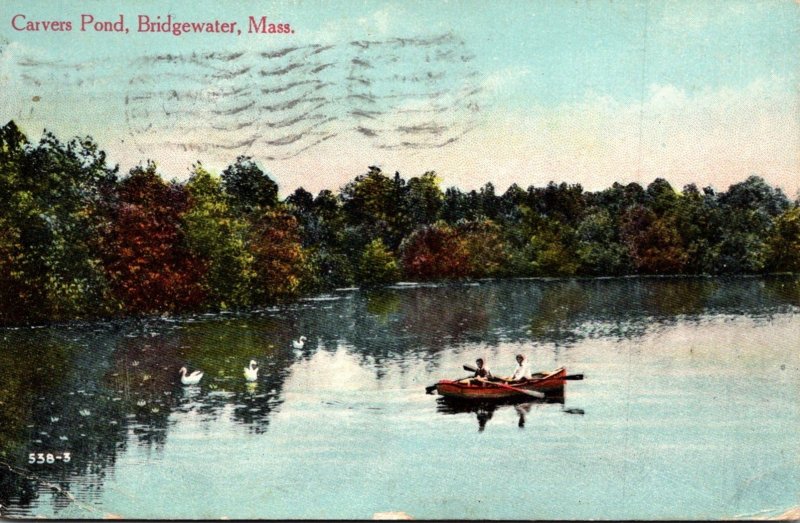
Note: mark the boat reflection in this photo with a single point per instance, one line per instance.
(484, 410)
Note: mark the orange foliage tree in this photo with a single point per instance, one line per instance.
(435, 251)
(146, 259)
(653, 242)
(279, 259)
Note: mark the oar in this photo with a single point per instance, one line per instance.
(532, 393)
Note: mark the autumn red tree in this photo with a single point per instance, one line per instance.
(146, 259)
(653, 242)
(279, 259)
(435, 251)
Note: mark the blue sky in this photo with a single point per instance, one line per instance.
(589, 92)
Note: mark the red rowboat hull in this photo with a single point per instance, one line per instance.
(552, 382)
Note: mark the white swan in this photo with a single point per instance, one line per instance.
(251, 372)
(298, 344)
(192, 379)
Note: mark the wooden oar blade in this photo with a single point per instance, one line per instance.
(534, 393)
(574, 377)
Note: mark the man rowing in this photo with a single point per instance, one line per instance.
(482, 372)
(521, 373)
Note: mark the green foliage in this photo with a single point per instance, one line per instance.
(376, 204)
(326, 270)
(217, 237)
(749, 209)
(549, 244)
(599, 250)
(550, 255)
(49, 197)
(697, 219)
(325, 239)
(250, 189)
(377, 265)
(424, 199)
(486, 248)
(783, 244)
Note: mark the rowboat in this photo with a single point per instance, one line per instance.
(470, 389)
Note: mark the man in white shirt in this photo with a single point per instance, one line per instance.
(521, 373)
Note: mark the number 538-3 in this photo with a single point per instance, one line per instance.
(41, 458)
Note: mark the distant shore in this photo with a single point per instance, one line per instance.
(81, 241)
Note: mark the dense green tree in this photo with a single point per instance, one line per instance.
(486, 248)
(748, 209)
(755, 194)
(488, 202)
(76, 241)
(551, 251)
(562, 202)
(251, 190)
(424, 199)
(599, 249)
(327, 269)
(377, 265)
(661, 197)
(548, 245)
(215, 236)
(19, 291)
(783, 244)
(301, 204)
(49, 195)
(333, 266)
(509, 205)
(458, 206)
(698, 221)
(324, 234)
(376, 204)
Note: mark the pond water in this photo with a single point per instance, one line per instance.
(690, 406)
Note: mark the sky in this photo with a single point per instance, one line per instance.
(503, 92)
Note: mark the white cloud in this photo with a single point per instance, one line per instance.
(498, 81)
(379, 22)
(376, 24)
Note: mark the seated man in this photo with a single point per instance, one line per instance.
(482, 372)
(521, 373)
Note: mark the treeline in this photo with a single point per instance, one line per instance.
(78, 240)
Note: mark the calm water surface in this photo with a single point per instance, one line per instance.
(690, 406)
